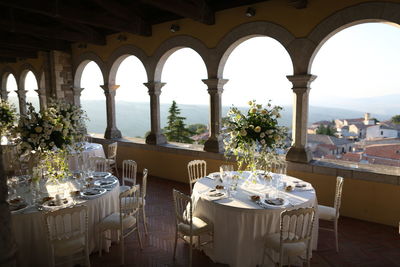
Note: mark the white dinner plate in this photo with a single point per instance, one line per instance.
(52, 204)
(98, 175)
(106, 182)
(93, 192)
(17, 205)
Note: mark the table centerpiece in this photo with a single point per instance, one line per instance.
(8, 120)
(254, 137)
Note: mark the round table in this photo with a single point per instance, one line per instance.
(89, 150)
(31, 235)
(240, 224)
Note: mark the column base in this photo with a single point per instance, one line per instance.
(299, 154)
(112, 133)
(156, 139)
(214, 145)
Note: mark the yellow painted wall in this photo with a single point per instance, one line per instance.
(364, 200)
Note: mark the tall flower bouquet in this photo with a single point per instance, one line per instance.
(254, 137)
(49, 134)
(8, 118)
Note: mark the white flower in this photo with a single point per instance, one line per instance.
(257, 129)
(262, 135)
(38, 129)
(262, 141)
(243, 132)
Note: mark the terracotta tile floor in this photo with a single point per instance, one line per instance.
(361, 243)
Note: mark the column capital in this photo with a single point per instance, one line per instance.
(154, 87)
(21, 92)
(40, 91)
(301, 81)
(77, 90)
(109, 88)
(215, 82)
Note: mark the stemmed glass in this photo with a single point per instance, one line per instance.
(226, 172)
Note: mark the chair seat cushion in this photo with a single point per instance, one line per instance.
(113, 221)
(199, 227)
(273, 241)
(68, 247)
(123, 188)
(326, 213)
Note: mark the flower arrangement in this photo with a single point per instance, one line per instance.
(60, 126)
(254, 137)
(8, 118)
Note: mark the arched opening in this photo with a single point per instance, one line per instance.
(356, 92)
(31, 85)
(183, 72)
(132, 98)
(11, 86)
(93, 98)
(256, 70)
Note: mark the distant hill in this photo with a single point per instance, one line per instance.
(133, 118)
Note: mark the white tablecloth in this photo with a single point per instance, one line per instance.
(90, 150)
(240, 225)
(30, 230)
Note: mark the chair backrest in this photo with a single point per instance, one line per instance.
(67, 223)
(129, 201)
(144, 183)
(129, 169)
(98, 164)
(183, 207)
(112, 151)
(338, 194)
(296, 225)
(279, 167)
(196, 170)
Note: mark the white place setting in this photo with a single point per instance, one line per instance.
(243, 213)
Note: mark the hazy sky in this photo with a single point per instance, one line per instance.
(360, 61)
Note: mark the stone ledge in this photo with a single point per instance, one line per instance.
(331, 169)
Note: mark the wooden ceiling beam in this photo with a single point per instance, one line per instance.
(21, 41)
(78, 15)
(198, 10)
(11, 53)
(8, 60)
(16, 26)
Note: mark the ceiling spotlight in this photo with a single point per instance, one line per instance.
(174, 28)
(250, 12)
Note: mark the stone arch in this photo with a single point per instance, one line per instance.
(350, 16)
(119, 55)
(24, 69)
(4, 75)
(80, 63)
(244, 32)
(169, 47)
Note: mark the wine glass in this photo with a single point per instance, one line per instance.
(226, 171)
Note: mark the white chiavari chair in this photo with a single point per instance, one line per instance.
(332, 213)
(67, 232)
(125, 221)
(294, 238)
(197, 169)
(98, 164)
(112, 157)
(129, 169)
(187, 224)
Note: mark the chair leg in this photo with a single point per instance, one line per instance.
(144, 220)
(116, 169)
(122, 251)
(138, 235)
(176, 241)
(87, 259)
(281, 258)
(191, 251)
(336, 235)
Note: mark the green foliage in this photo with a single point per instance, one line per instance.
(198, 128)
(396, 119)
(328, 130)
(8, 117)
(176, 130)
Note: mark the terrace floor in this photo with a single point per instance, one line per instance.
(361, 243)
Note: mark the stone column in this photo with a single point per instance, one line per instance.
(111, 131)
(77, 95)
(155, 137)
(4, 94)
(42, 98)
(301, 88)
(22, 101)
(215, 89)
